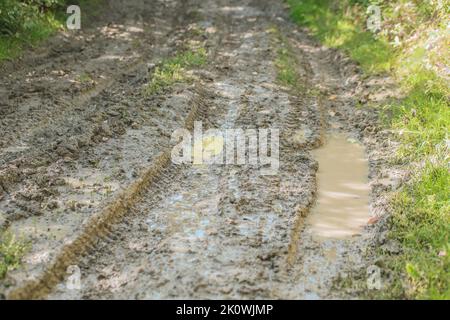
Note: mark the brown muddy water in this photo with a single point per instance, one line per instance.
(342, 207)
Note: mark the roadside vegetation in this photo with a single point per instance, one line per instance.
(27, 22)
(413, 47)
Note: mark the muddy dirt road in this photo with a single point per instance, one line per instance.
(86, 172)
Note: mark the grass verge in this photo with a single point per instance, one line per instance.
(420, 210)
(343, 30)
(26, 24)
(37, 30)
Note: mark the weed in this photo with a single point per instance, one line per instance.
(11, 252)
(285, 62)
(173, 70)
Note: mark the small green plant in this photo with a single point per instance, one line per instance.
(287, 74)
(190, 58)
(11, 252)
(84, 78)
(285, 61)
(165, 76)
(173, 70)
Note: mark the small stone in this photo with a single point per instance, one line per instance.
(392, 247)
(277, 207)
(396, 183)
(52, 205)
(382, 237)
(373, 278)
(113, 113)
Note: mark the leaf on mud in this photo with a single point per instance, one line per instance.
(373, 220)
(332, 97)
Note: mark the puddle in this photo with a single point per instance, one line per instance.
(342, 207)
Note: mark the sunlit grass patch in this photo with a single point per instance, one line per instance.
(285, 62)
(173, 70)
(338, 29)
(422, 119)
(84, 78)
(287, 74)
(421, 210)
(11, 252)
(190, 58)
(421, 222)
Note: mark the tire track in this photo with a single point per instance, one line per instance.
(220, 231)
(84, 238)
(99, 226)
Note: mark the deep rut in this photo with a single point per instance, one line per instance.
(222, 231)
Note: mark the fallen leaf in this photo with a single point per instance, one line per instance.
(373, 220)
(332, 97)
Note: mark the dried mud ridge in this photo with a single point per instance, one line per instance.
(86, 174)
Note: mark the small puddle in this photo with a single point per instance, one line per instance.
(342, 207)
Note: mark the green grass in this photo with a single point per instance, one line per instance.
(420, 210)
(338, 30)
(37, 30)
(173, 70)
(285, 61)
(287, 75)
(11, 252)
(26, 25)
(84, 78)
(422, 119)
(421, 221)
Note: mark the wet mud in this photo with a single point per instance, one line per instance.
(86, 176)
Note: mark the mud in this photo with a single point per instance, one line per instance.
(86, 176)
